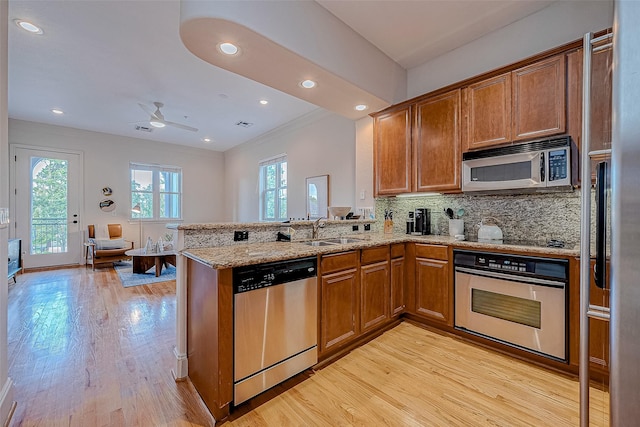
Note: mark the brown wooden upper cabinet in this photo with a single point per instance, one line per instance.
(436, 142)
(523, 104)
(488, 112)
(539, 99)
(417, 146)
(601, 98)
(392, 152)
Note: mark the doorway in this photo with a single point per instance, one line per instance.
(47, 205)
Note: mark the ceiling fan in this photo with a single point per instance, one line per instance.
(156, 118)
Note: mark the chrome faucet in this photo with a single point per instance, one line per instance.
(316, 226)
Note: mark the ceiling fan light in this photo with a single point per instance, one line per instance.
(156, 124)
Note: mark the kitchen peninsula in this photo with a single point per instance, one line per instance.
(365, 287)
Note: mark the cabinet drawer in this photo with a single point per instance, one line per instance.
(338, 262)
(377, 254)
(397, 250)
(432, 251)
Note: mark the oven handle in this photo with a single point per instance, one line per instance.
(511, 277)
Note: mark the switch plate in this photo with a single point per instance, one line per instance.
(239, 236)
(362, 194)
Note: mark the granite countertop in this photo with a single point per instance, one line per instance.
(256, 253)
(264, 225)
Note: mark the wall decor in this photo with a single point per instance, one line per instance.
(107, 191)
(107, 205)
(317, 196)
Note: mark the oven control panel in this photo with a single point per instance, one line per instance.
(505, 263)
(530, 266)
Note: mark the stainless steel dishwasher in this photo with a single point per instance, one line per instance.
(275, 332)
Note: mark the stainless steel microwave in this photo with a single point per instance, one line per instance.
(533, 166)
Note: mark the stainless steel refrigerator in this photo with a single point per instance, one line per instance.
(622, 213)
(625, 217)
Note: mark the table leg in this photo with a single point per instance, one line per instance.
(159, 263)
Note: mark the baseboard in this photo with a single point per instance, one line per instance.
(181, 371)
(7, 404)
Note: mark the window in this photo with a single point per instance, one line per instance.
(273, 189)
(158, 191)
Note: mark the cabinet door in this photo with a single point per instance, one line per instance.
(340, 302)
(397, 286)
(539, 92)
(432, 289)
(488, 112)
(374, 291)
(437, 143)
(601, 102)
(599, 328)
(392, 152)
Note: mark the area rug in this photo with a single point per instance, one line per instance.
(128, 278)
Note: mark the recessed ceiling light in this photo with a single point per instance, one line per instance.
(360, 107)
(206, 139)
(156, 124)
(57, 111)
(308, 84)
(28, 26)
(228, 48)
(264, 102)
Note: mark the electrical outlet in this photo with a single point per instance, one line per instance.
(367, 227)
(239, 236)
(355, 228)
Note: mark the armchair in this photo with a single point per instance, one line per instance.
(104, 251)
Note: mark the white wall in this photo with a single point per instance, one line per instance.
(106, 164)
(319, 143)
(6, 385)
(560, 23)
(364, 160)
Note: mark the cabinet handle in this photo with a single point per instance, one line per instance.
(600, 268)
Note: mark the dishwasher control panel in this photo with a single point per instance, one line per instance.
(252, 277)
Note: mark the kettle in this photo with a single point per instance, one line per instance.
(488, 230)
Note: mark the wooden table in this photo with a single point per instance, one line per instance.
(143, 261)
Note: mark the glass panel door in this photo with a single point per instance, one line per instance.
(47, 208)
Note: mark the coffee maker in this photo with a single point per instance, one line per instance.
(422, 219)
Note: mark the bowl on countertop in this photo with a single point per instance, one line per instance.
(340, 211)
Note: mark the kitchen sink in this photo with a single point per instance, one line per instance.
(318, 243)
(343, 240)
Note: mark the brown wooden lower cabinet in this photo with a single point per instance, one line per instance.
(397, 286)
(431, 283)
(340, 308)
(599, 328)
(432, 289)
(599, 345)
(374, 291)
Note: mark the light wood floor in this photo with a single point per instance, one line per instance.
(83, 351)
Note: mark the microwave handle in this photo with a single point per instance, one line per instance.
(542, 167)
(600, 268)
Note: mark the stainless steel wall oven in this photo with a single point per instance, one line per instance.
(518, 300)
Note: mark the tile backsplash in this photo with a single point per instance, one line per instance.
(532, 217)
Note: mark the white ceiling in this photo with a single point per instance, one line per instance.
(98, 59)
